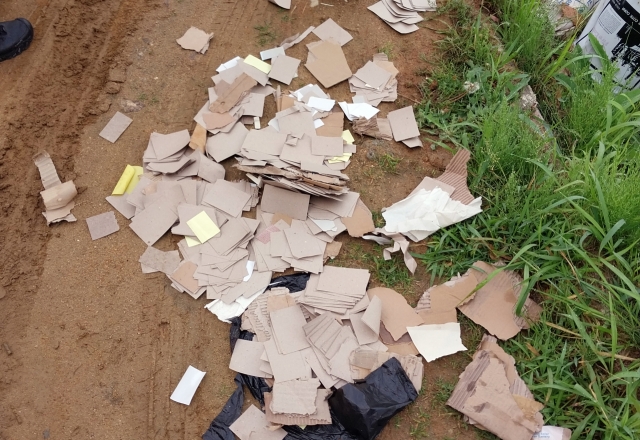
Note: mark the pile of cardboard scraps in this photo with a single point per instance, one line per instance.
(402, 15)
(310, 341)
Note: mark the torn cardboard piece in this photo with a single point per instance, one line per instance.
(115, 127)
(102, 225)
(195, 39)
(57, 196)
(396, 314)
(253, 424)
(330, 66)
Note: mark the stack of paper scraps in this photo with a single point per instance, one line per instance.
(57, 196)
(402, 15)
(304, 350)
(195, 39)
(432, 205)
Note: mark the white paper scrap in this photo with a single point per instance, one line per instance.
(187, 386)
(434, 341)
(225, 312)
(424, 212)
(271, 53)
(324, 105)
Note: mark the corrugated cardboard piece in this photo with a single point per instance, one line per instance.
(493, 305)
(253, 424)
(57, 196)
(486, 394)
(397, 315)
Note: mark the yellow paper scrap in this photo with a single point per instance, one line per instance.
(191, 242)
(344, 158)
(203, 227)
(258, 64)
(347, 136)
(124, 181)
(138, 171)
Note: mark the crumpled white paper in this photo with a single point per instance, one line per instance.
(225, 311)
(424, 212)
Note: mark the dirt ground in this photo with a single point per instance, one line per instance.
(96, 346)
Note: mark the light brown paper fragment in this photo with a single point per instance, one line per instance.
(397, 315)
(115, 127)
(102, 225)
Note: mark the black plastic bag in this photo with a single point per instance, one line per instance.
(295, 283)
(365, 408)
(335, 431)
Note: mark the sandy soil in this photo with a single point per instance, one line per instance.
(96, 346)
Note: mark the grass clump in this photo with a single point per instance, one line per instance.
(389, 163)
(563, 210)
(266, 33)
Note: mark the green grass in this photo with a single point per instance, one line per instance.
(391, 273)
(389, 163)
(266, 34)
(387, 49)
(564, 211)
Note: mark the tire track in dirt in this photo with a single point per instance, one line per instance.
(48, 95)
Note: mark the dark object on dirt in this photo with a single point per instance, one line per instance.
(365, 408)
(335, 431)
(7, 348)
(15, 37)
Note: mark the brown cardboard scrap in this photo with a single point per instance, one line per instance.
(343, 280)
(122, 206)
(115, 127)
(287, 326)
(279, 200)
(373, 75)
(160, 261)
(493, 305)
(102, 225)
(195, 39)
(48, 173)
(373, 315)
(59, 196)
(403, 124)
(333, 125)
(302, 244)
(264, 141)
(397, 315)
(322, 416)
(232, 94)
(413, 142)
(455, 175)
(286, 366)
(167, 145)
(153, 222)
(326, 146)
(332, 250)
(224, 145)
(483, 394)
(364, 333)
(254, 105)
(217, 120)
(438, 304)
(295, 397)
(284, 68)
(330, 30)
(253, 424)
(361, 222)
(367, 361)
(343, 206)
(224, 196)
(198, 138)
(245, 358)
(184, 275)
(330, 66)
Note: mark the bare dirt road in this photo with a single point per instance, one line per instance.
(96, 346)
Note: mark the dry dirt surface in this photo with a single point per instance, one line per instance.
(93, 347)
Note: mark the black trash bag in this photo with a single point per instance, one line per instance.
(365, 408)
(295, 283)
(219, 428)
(334, 431)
